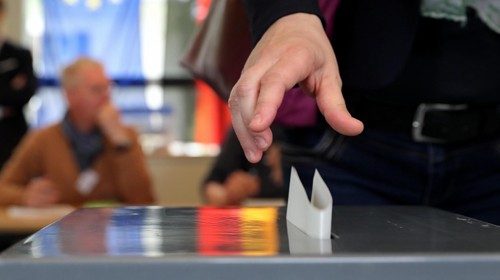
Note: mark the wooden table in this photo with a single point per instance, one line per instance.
(22, 220)
(17, 223)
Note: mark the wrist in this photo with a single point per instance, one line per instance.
(122, 146)
(117, 135)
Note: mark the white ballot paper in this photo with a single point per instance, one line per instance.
(312, 217)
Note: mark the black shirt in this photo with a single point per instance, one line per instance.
(451, 63)
(387, 51)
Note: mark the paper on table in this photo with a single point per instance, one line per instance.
(312, 217)
(55, 211)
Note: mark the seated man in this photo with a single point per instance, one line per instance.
(89, 155)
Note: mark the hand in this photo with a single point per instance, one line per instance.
(238, 186)
(19, 82)
(40, 192)
(215, 194)
(294, 50)
(241, 185)
(109, 120)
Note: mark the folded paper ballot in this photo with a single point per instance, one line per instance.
(300, 243)
(312, 217)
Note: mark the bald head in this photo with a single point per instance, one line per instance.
(72, 75)
(87, 89)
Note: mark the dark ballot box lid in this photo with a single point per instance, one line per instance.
(393, 242)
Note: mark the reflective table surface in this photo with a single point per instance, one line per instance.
(256, 243)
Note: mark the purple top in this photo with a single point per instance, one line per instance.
(299, 109)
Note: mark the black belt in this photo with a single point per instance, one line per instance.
(430, 122)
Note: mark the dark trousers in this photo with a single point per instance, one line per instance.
(381, 168)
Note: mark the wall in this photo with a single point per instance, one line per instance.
(12, 26)
(177, 179)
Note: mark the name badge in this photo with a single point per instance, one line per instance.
(87, 181)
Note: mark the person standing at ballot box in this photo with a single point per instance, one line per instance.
(89, 155)
(420, 79)
(17, 85)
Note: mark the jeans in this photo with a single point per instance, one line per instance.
(382, 168)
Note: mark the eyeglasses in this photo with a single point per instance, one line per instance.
(100, 89)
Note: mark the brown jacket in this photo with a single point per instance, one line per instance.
(47, 153)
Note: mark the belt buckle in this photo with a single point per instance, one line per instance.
(419, 120)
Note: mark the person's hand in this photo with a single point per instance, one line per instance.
(241, 185)
(238, 186)
(294, 50)
(19, 82)
(109, 120)
(40, 192)
(215, 194)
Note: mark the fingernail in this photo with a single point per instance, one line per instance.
(261, 143)
(249, 155)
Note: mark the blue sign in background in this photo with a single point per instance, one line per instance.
(109, 33)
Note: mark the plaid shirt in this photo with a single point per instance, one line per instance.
(455, 10)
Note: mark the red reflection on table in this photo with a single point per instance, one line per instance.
(237, 231)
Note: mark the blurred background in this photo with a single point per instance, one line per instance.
(180, 120)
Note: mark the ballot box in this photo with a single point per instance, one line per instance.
(394, 242)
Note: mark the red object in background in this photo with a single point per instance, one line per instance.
(202, 7)
(212, 117)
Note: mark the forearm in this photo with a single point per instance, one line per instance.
(11, 194)
(23, 165)
(263, 13)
